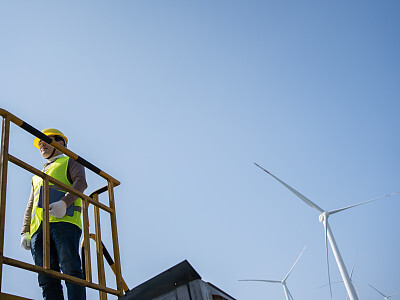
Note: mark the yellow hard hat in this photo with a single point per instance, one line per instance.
(50, 131)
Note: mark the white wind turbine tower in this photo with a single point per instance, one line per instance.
(283, 281)
(385, 296)
(323, 218)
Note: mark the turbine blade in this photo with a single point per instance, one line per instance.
(354, 264)
(377, 290)
(351, 276)
(302, 197)
(393, 294)
(361, 203)
(336, 282)
(294, 264)
(272, 281)
(290, 294)
(327, 257)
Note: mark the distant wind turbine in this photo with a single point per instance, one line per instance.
(283, 281)
(385, 296)
(323, 218)
(351, 278)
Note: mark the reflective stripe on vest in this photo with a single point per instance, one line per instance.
(58, 170)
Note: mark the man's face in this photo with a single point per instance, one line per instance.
(45, 149)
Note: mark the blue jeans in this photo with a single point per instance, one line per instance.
(64, 254)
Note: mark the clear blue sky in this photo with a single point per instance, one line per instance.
(177, 99)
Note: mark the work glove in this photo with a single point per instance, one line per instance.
(58, 209)
(26, 241)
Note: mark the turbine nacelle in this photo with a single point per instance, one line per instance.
(324, 216)
(386, 297)
(283, 281)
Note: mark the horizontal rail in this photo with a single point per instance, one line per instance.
(99, 191)
(77, 193)
(5, 296)
(58, 146)
(37, 269)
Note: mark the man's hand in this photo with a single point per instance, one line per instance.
(26, 241)
(58, 209)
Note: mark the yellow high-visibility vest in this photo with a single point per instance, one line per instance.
(57, 170)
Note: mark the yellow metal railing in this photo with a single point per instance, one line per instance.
(5, 157)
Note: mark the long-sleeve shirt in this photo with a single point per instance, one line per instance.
(75, 174)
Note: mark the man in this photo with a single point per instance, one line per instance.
(65, 219)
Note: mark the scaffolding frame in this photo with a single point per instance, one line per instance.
(5, 157)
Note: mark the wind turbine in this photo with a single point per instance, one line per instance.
(385, 296)
(323, 218)
(283, 281)
(351, 278)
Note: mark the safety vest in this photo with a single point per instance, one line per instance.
(57, 170)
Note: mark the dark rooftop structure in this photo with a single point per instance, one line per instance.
(181, 282)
